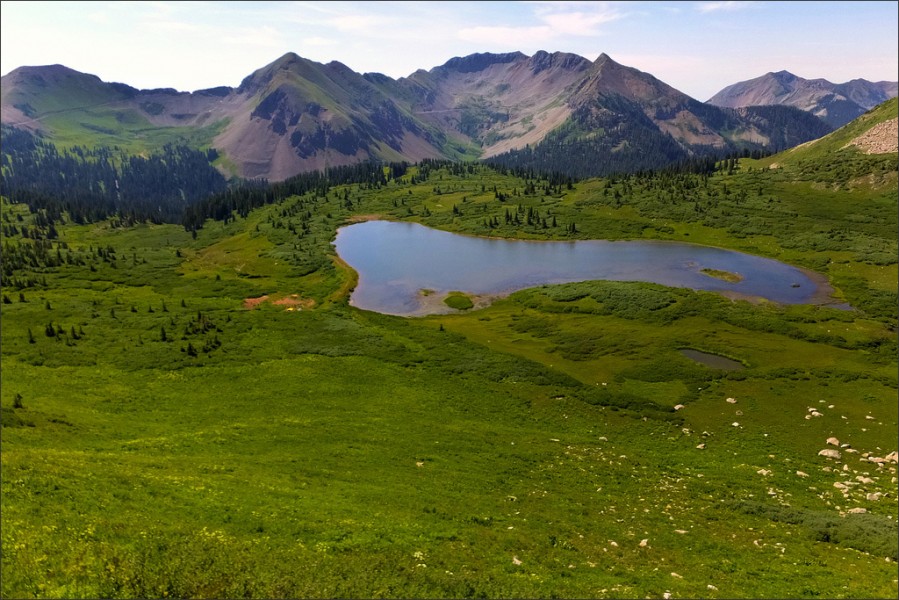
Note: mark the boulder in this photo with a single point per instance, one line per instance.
(830, 453)
(833, 441)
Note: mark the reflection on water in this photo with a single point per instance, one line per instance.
(395, 261)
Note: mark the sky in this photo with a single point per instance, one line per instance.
(696, 47)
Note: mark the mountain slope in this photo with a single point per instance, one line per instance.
(867, 146)
(838, 104)
(297, 115)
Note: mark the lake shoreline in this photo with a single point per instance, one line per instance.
(783, 289)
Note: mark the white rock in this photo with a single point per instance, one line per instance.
(857, 511)
(833, 441)
(863, 479)
(711, 587)
(644, 542)
(840, 486)
(515, 560)
(817, 414)
(735, 424)
(675, 575)
(892, 456)
(874, 496)
(802, 474)
(731, 401)
(830, 453)
(678, 406)
(701, 447)
(763, 472)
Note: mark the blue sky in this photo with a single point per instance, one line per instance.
(696, 47)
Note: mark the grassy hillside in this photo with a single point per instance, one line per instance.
(206, 416)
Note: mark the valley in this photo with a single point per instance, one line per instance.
(197, 410)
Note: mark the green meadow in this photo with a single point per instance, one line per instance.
(207, 416)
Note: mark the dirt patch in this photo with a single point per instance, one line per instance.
(251, 303)
(294, 302)
(291, 302)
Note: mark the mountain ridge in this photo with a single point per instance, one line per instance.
(295, 114)
(835, 103)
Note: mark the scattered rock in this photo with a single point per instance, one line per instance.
(816, 414)
(678, 406)
(680, 531)
(892, 456)
(830, 453)
(833, 441)
(840, 486)
(863, 479)
(874, 496)
(675, 575)
(711, 587)
(857, 511)
(764, 472)
(802, 473)
(731, 401)
(644, 543)
(701, 447)
(515, 561)
(735, 424)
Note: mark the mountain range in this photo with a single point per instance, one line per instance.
(545, 110)
(837, 104)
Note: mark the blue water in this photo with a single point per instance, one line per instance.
(396, 261)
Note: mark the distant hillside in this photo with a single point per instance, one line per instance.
(296, 115)
(874, 134)
(837, 104)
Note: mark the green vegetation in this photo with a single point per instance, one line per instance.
(201, 413)
(458, 300)
(724, 275)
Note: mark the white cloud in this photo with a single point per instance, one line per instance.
(556, 21)
(730, 5)
(319, 41)
(506, 36)
(265, 36)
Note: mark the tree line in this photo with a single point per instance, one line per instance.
(93, 184)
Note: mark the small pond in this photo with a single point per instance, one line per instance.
(397, 261)
(712, 360)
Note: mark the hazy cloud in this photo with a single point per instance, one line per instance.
(706, 7)
(555, 21)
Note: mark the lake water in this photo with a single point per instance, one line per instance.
(397, 261)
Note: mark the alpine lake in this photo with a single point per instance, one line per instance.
(409, 270)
